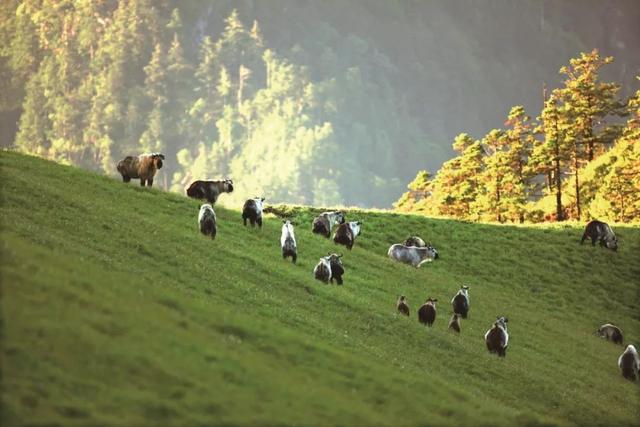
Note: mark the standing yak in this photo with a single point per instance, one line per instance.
(402, 306)
(427, 313)
(497, 338)
(252, 211)
(209, 190)
(288, 241)
(324, 222)
(143, 166)
(599, 231)
(346, 234)
(460, 302)
(207, 221)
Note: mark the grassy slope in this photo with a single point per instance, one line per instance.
(116, 311)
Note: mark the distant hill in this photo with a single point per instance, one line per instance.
(115, 310)
(366, 93)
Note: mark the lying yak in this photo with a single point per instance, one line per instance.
(411, 254)
(288, 242)
(599, 231)
(629, 363)
(143, 166)
(209, 190)
(610, 332)
(497, 338)
(207, 221)
(346, 234)
(252, 211)
(460, 302)
(427, 313)
(323, 223)
(329, 268)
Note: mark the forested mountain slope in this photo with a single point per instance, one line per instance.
(317, 99)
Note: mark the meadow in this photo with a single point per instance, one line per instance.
(116, 311)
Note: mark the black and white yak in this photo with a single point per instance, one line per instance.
(599, 231)
(143, 166)
(427, 313)
(497, 338)
(402, 306)
(252, 211)
(209, 190)
(611, 333)
(329, 268)
(207, 221)
(323, 223)
(460, 302)
(629, 363)
(412, 254)
(346, 234)
(288, 242)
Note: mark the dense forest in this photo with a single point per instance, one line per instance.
(303, 102)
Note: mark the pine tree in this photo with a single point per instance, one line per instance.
(550, 156)
(490, 202)
(587, 102)
(457, 184)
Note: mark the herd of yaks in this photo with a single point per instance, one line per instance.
(413, 251)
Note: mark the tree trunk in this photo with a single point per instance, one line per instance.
(559, 215)
(575, 166)
(498, 202)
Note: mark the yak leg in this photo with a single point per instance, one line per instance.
(149, 182)
(423, 261)
(584, 237)
(294, 257)
(126, 178)
(259, 221)
(142, 182)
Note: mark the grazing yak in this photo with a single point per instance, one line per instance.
(610, 332)
(329, 268)
(460, 302)
(629, 363)
(599, 231)
(143, 166)
(288, 241)
(207, 221)
(411, 254)
(346, 234)
(427, 313)
(415, 241)
(454, 323)
(209, 190)
(323, 223)
(252, 211)
(403, 307)
(497, 338)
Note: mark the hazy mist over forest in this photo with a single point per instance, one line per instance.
(313, 102)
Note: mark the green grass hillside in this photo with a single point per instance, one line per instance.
(116, 311)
